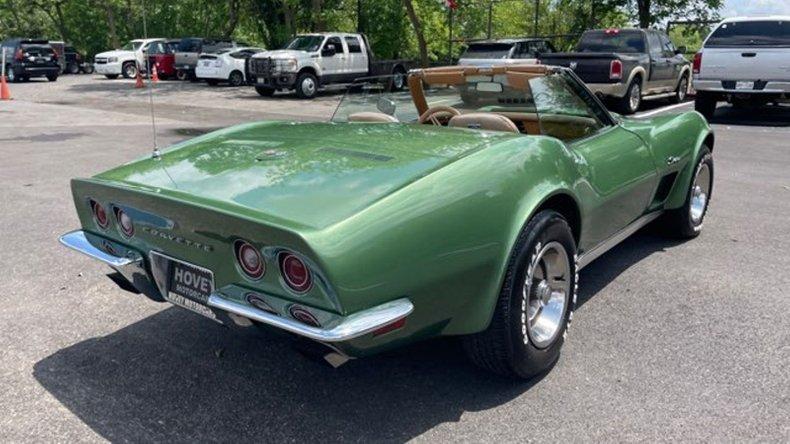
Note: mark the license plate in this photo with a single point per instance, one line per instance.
(187, 285)
(744, 85)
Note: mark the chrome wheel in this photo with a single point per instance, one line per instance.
(545, 295)
(398, 81)
(683, 89)
(635, 97)
(11, 77)
(700, 190)
(308, 86)
(130, 70)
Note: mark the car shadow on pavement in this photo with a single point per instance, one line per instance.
(774, 116)
(175, 376)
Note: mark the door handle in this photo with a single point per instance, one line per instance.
(749, 54)
(671, 160)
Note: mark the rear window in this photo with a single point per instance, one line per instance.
(487, 51)
(189, 45)
(757, 33)
(612, 41)
(36, 49)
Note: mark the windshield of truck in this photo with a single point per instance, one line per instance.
(487, 51)
(612, 41)
(132, 46)
(757, 33)
(309, 43)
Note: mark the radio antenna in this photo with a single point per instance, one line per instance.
(155, 154)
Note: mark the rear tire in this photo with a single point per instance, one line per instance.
(632, 100)
(682, 91)
(686, 222)
(705, 104)
(541, 272)
(264, 91)
(306, 86)
(129, 70)
(73, 68)
(398, 80)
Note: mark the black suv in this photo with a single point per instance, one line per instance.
(26, 58)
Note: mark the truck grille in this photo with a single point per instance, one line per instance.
(100, 60)
(261, 67)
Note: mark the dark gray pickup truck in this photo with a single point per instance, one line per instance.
(628, 66)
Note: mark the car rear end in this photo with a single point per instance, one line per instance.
(745, 59)
(221, 261)
(210, 66)
(35, 58)
(489, 54)
(186, 56)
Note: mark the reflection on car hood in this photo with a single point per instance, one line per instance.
(282, 54)
(313, 174)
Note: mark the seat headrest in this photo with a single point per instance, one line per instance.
(367, 116)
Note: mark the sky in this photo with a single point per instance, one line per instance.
(755, 7)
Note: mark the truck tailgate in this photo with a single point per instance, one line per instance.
(591, 67)
(745, 63)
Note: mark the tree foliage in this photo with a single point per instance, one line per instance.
(396, 28)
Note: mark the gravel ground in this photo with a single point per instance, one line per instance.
(672, 341)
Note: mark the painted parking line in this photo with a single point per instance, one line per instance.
(663, 110)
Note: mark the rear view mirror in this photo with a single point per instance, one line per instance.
(386, 106)
(492, 87)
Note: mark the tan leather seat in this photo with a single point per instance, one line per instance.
(368, 116)
(484, 121)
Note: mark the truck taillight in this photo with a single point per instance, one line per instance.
(697, 65)
(616, 70)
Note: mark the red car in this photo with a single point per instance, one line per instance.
(162, 56)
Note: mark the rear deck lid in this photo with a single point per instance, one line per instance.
(312, 174)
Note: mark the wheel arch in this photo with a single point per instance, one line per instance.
(677, 197)
(638, 72)
(310, 69)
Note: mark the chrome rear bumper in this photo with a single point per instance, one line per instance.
(334, 328)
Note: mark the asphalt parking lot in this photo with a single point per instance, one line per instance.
(671, 341)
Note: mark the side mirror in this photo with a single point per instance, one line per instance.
(386, 106)
(680, 50)
(328, 51)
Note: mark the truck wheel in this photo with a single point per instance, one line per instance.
(73, 68)
(236, 78)
(129, 70)
(87, 68)
(683, 88)
(52, 77)
(632, 100)
(181, 75)
(533, 312)
(264, 91)
(306, 85)
(686, 221)
(10, 75)
(111, 76)
(705, 104)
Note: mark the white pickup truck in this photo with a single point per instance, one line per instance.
(310, 61)
(125, 61)
(744, 61)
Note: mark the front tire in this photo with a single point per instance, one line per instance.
(705, 104)
(686, 221)
(236, 78)
(306, 85)
(73, 68)
(533, 312)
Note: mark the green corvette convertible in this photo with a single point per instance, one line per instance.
(464, 206)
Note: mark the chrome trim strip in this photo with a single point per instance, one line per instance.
(76, 240)
(586, 258)
(352, 326)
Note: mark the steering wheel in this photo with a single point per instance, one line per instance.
(439, 115)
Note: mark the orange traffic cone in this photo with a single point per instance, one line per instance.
(154, 74)
(5, 94)
(139, 82)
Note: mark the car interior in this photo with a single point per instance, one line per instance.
(519, 99)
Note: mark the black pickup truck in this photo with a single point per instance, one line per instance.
(628, 66)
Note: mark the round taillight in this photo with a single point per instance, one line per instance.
(303, 316)
(124, 222)
(249, 260)
(99, 214)
(295, 272)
